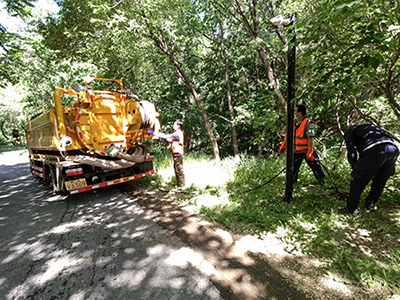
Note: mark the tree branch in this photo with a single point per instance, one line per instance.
(370, 119)
(223, 118)
(2, 130)
(239, 10)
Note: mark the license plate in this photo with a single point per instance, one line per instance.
(75, 184)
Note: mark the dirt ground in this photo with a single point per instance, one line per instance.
(247, 266)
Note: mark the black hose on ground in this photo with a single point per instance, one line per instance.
(341, 196)
(264, 184)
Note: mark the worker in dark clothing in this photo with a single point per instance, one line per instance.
(377, 154)
(176, 140)
(304, 145)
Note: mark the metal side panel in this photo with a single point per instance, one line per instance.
(41, 131)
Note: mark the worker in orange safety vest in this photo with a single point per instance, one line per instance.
(304, 145)
(176, 140)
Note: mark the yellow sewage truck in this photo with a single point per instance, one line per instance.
(94, 142)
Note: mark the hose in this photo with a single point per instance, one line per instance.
(147, 111)
(338, 194)
(264, 184)
(149, 114)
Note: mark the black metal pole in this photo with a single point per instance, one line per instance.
(290, 114)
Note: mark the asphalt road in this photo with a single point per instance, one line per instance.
(94, 245)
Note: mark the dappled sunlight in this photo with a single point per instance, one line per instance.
(185, 256)
(201, 174)
(127, 278)
(271, 246)
(109, 243)
(268, 244)
(285, 247)
(157, 271)
(92, 245)
(65, 228)
(51, 270)
(306, 241)
(220, 254)
(2, 281)
(395, 216)
(338, 223)
(364, 233)
(79, 295)
(17, 250)
(56, 266)
(17, 180)
(55, 198)
(208, 200)
(12, 158)
(335, 283)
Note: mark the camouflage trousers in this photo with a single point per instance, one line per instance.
(179, 173)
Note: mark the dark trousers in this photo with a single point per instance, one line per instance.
(179, 173)
(376, 164)
(315, 166)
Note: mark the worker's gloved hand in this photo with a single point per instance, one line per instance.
(282, 148)
(151, 131)
(310, 154)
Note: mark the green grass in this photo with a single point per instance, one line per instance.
(363, 251)
(5, 148)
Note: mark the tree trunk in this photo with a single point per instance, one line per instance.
(272, 85)
(262, 141)
(162, 44)
(253, 28)
(199, 103)
(229, 93)
(391, 79)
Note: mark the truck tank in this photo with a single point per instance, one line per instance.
(94, 142)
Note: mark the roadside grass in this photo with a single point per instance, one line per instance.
(363, 252)
(5, 148)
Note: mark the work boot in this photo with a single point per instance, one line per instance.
(349, 211)
(370, 205)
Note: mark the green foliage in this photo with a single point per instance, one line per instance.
(162, 160)
(6, 146)
(19, 8)
(350, 54)
(10, 56)
(12, 116)
(345, 50)
(347, 70)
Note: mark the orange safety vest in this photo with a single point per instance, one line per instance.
(300, 136)
(177, 146)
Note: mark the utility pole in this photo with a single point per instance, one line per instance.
(291, 56)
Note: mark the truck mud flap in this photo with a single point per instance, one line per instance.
(112, 182)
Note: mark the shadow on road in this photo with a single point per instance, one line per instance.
(238, 273)
(95, 245)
